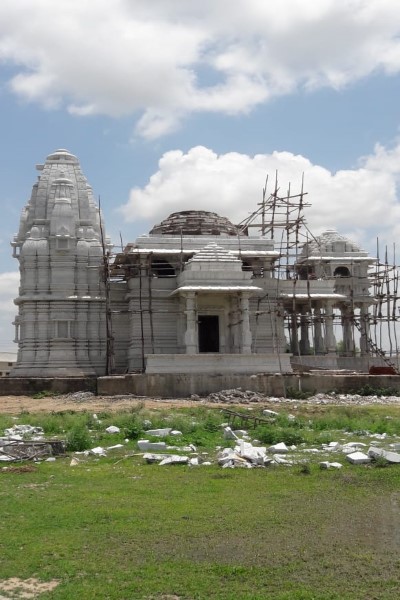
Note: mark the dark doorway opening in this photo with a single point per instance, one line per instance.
(208, 333)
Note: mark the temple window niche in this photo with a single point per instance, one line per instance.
(64, 329)
(162, 268)
(341, 272)
(62, 243)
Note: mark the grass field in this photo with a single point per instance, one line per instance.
(116, 528)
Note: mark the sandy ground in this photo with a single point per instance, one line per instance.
(17, 404)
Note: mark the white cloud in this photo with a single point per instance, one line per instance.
(8, 291)
(155, 60)
(362, 202)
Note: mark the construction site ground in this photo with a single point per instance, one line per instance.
(86, 402)
(18, 404)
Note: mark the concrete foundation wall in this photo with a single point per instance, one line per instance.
(184, 385)
(27, 386)
(333, 361)
(181, 385)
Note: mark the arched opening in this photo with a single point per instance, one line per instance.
(162, 268)
(341, 272)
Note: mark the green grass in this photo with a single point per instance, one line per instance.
(118, 529)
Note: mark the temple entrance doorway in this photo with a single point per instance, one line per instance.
(208, 333)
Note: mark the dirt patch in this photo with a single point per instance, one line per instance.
(17, 404)
(21, 469)
(18, 589)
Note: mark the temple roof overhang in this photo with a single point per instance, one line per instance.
(219, 289)
(315, 296)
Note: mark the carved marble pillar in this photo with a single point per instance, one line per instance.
(190, 334)
(294, 341)
(348, 344)
(330, 339)
(319, 344)
(364, 325)
(304, 340)
(246, 332)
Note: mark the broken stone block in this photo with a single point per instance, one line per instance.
(159, 432)
(279, 460)
(226, 455)
(270, 413)
(98, 451)
(280, 448)
(356, 444)
(358, 458)
(145, 445)
(391, 457)
(240, 432)
(330, 465)
(174, 459)
(112, 429)
(229, 434)
(332, 446)
(351, 447)
(254, 454)
(74, 462)
(152, 458)
(176, 432)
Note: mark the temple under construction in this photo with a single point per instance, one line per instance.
(197, 294)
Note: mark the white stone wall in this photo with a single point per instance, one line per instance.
(61, 302)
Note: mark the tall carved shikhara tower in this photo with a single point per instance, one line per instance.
(60, 327)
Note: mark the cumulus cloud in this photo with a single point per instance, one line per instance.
(164, 59)
(361, 202)
(8, 291)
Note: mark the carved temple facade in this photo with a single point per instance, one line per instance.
(195, 295)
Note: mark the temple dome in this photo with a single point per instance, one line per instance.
(195, 222)
(330, 242)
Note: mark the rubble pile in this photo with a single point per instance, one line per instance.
(25, 442)
(239, 396)
(235, 396)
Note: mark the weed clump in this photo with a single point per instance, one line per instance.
(274, 435)
(298, 394)
(133, 429)
(369, 390)
(78, 439)
(380, 462)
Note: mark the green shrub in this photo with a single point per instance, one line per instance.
(133, 429)
(380, 462)
(78, 439)
(298, 394)
(274, 435)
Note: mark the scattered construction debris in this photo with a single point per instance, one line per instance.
(25, 442)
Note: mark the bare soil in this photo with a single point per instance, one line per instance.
(17, 404)
(25, 588)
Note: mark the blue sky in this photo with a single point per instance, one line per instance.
(172, 105)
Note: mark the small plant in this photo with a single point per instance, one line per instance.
(380, 462)
(298, 394)
(274, 435)
(369, 390)
(305, 469)
(133, 429)
(78, 439)
(43, 394)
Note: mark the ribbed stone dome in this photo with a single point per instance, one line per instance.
(195, 222)
(330, 242)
